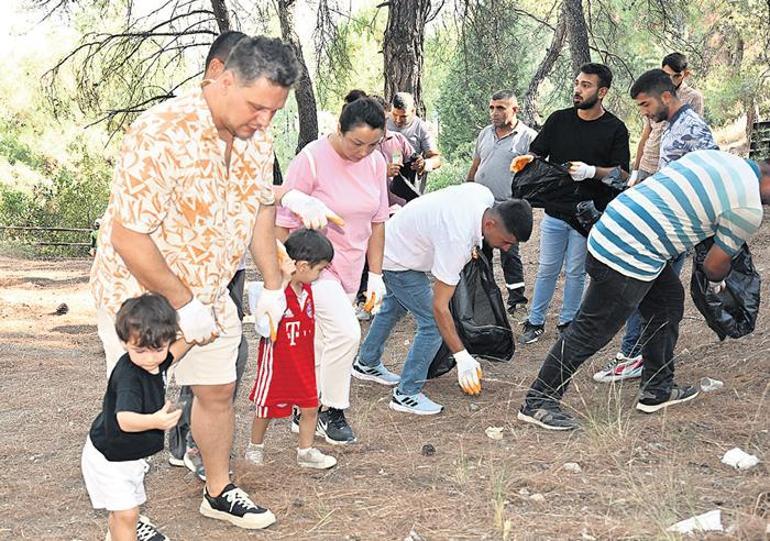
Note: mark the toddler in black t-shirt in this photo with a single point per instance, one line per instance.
(134, 415)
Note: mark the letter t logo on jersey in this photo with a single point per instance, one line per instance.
(292, 331)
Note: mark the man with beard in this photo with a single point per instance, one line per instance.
(684, 131)
(496, 145)
(593, 141)
(648, 152)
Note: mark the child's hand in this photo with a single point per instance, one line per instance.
(165, 418)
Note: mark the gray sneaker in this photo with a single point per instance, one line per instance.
(550, 418)
(378, 374)
(194, 462)
(650, 402)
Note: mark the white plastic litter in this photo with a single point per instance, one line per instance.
(572, 467)
(739, 459)
(494, 432)
(708, 385)
(707, 522)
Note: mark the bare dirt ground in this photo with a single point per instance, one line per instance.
(639, 473)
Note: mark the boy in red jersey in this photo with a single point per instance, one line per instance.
(286, 367)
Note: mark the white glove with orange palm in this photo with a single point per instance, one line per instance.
(375, 292)
(468, 372)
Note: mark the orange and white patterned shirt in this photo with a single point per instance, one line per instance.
(171, 182)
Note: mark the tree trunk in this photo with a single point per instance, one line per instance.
(221, 14)
(577, 33)
(528, 110)
(303, 92)
(402, 48)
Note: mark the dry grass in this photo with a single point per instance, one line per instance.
(639, 473)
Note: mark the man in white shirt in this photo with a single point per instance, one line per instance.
(435, 233)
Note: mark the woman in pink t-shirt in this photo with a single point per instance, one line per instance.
(343, 171)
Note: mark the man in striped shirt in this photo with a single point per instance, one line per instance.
(705, 194)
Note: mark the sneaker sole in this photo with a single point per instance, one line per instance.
(527, 419)
(265, 519)
(657, 407)
(295, 429)
(174, 461)
(529, 341)
(314, 466)
(613, 379)
(376, 379)
(405, 409)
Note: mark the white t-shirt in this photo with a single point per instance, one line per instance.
(436, 233)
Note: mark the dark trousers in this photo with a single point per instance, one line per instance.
(178, 437)
(612, 297)
(513, 271)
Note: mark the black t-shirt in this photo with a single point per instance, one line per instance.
(130, 388)
(602, 142)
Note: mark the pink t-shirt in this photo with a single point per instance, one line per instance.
(356, 191)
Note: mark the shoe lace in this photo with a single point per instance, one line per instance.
(145, 531)
(237, 496)
(337, 418)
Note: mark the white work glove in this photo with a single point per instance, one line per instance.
(633, 178)
(271, 305)
(197, 321)
(375, 292)
(716, 287)
(312, 211)
(468, 372)
(581, 171)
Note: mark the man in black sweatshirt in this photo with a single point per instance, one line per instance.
(592, 141)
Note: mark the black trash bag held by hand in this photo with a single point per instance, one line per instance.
(479, 315)
(733, 312)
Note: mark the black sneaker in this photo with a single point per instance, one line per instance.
(235, 506)
(650, 402)
(334, 428)
(146, 531)
(531, 333)
(563, 327)
(550, 418)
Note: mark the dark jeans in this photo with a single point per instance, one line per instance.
(178, 437)
(612, 297)
(513, 272)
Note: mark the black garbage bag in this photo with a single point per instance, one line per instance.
(615, 180)
(479, 315)
(549, 186)
(406, 184)
(733, 312)
(587, 214)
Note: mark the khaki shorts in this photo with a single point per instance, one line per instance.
(212, 364)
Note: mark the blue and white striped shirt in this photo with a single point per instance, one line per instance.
(707, 193)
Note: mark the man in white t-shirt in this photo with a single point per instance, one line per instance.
(435, 233)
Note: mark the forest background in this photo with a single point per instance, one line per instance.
(78, 72)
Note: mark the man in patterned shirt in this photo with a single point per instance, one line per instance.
(192, 191)
(707, 193)
(648, 152)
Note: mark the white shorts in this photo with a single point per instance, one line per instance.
(212, 364)
(114, 486)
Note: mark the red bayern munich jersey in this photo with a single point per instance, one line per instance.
(286, 368)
